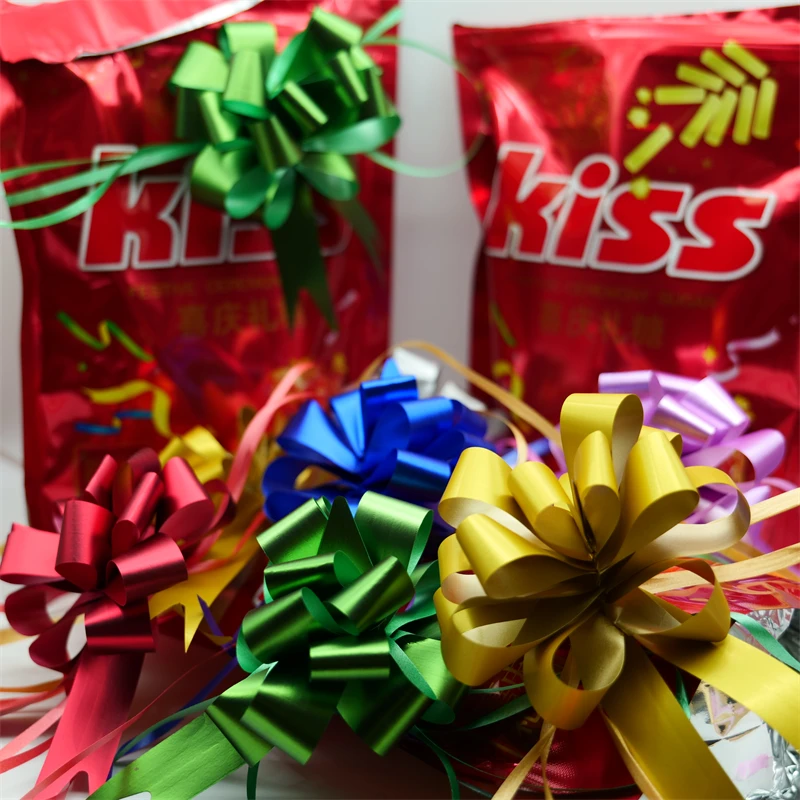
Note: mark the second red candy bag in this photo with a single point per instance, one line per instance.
(640, 205)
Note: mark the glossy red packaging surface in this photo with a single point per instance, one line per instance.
(149, 299)
(640, 209)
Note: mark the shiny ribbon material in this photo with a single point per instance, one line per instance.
(714, 430)
(346, 629)
(266, 130)
(218, 559)
(380, 436)
(123, 540)
(102, 685)
(539, 563)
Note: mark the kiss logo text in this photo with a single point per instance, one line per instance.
(587, 219)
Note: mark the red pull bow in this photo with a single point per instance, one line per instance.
(123, 539)
(119, 543)
(130, 533)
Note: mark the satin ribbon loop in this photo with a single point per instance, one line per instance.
(84, 546)
(111, 628)
(537, 563)
(380, 437)
(350, 658)
(712, 425)
(166, 546)
(376, 595)
(152, 565)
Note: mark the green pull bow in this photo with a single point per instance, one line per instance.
(277, 127)
(339, 633)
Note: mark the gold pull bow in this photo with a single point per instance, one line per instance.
(538, 563)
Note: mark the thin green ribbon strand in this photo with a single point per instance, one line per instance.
(343, 632)
(413, 170)
(766, 640)
(445, 759)
(48, 166)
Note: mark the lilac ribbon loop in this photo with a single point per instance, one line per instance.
(714, 429)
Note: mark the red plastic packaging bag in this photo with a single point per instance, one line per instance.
(151, 313)
(640, 207)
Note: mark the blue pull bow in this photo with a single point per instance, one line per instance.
(379, 437)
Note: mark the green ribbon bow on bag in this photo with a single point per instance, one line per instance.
(278, 126)
(336, 635)
(265, 130)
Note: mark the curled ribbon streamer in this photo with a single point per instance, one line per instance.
(231, 553)
(538, 561)
(106, 329)
(345, 630)
(120, 542)
(43, 787)
(161, 402)
(10, 755)
(379, 436)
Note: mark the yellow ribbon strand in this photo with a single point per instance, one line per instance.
(756, 679)
(742, 550)
(537, 563)
(664, 744)
(519, 440)
(508, 789)
(766, 564)
(775, 505)
(115, 395)
(209, 460)
(9, 635)
(539, 752)
(35, 688)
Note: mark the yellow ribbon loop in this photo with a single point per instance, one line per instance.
(204, 454)
(210, 460)
(538, 563)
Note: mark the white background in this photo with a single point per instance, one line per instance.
(435, 239)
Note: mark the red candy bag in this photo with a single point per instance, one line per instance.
(152, 313)
(640, 207)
